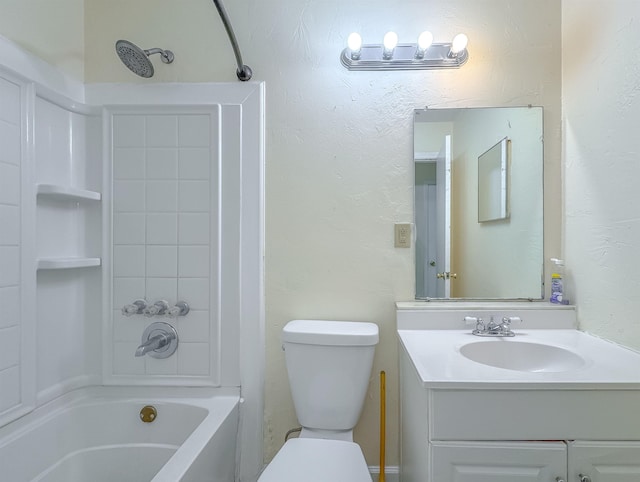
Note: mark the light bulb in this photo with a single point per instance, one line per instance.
(459, 44)
(390, 40)
(354, 42)
(425, 40)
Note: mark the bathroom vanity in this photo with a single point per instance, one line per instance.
(548, 404)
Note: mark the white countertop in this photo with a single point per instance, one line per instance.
(436, 357)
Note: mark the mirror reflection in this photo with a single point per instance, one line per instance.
(457, 254)
(493, 171)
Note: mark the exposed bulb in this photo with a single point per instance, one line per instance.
(354, 41)
(459, 43)
(390, 40)
(425, 40)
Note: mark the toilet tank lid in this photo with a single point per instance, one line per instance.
(331, 333)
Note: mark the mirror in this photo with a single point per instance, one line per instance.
(493, 183)
(478, 196)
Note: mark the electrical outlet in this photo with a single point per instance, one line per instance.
(402, 235)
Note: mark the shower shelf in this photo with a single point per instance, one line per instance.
(67, 263)
(66, 192)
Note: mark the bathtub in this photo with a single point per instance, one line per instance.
(96, 435)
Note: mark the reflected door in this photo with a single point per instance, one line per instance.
(443, 227)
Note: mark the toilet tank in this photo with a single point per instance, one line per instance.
(329, 366)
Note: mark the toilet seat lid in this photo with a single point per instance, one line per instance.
(317, 460)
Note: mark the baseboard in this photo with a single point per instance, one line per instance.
(391, 474)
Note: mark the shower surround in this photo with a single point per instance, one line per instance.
(115, 192)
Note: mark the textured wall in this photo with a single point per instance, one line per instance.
(601, 68)
(51, 29)
(339, 144)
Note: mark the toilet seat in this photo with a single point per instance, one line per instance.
(317, 460)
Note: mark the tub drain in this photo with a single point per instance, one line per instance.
(148, 413)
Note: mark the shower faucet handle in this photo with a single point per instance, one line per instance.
(157, 309)
(181, 308)
(135, 308)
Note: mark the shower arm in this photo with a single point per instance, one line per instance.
(244, 71)
(166, 55)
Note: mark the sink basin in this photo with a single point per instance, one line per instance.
(522, 356)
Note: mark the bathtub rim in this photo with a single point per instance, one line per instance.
(220, 404)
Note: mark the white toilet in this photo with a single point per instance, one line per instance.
(329, 365)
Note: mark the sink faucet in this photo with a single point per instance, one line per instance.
(495, 329)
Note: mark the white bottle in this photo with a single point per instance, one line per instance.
(557, 283)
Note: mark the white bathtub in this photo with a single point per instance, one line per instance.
(96, 435)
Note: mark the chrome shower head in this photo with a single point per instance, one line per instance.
(137, 60)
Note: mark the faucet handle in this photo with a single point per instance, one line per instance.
(158, 308)
(135, 308)
(471, 320)
(181, 308)
(479, 322)
(511, 319)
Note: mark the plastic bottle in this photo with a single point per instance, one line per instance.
(557, 285)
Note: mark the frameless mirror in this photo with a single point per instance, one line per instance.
(479, 203)
(493, 177)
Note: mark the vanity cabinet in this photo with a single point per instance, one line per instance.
(526, 434)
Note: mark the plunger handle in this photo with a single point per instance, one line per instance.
(383, 410)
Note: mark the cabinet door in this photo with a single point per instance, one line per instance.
(498, 461)
(604, 461)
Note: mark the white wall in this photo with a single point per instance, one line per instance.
(601, 72)
(50, 321)
(339, 144)
(51, 29)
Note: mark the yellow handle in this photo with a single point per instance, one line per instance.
(383, 410)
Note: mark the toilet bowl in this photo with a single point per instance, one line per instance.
(329, 364)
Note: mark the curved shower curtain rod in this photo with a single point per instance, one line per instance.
(243, 72)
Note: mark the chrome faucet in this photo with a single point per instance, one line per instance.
(154, 343)
(495, 329)
(159, 340)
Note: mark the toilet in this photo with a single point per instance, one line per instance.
(329, 364)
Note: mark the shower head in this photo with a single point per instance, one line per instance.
(137, 60)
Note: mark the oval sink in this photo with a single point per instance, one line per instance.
(522, 356)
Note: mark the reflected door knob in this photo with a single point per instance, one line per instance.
(584, 478)
(560, 479)
(440, 275)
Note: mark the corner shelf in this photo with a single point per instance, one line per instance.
(66, 192)
(67, 263)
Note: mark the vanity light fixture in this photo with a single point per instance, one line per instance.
(390, 55)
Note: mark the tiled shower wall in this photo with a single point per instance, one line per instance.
(10, 227)
(165, 218)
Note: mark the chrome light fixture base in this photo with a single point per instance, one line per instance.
(371, 57)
